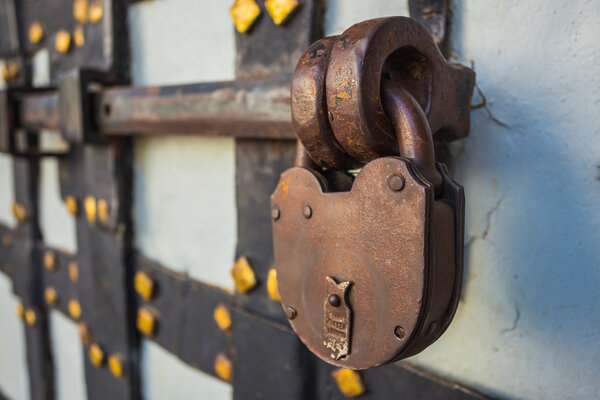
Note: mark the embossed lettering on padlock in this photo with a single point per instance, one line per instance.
(374, 269)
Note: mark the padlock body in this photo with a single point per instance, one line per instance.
(360, 268)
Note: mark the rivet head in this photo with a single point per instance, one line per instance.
(84, 334)
(334, 300)
(62, 41)
(145, 321)
(90, 209)
(96, 11)
(80, 11)
(349, 382)
(30, 317)
(19, 212)
(290, 312)
(244, 13)
(50, 261)
(74, 309)
(36, 32)
(20, 311)
(222, 317)
(272, 285)
(103, 210)
(223, 367)
(115, 363)
(280, 10)
(307, 211)
(73, 271)
(396, 182)
(96, 355)
(51, 296)
(71, 204)
(399, 332)
(243, 275)
(144, 285)
(275, 213)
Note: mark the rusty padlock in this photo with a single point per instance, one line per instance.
(369, 269)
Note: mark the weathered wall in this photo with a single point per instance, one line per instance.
(529, 319)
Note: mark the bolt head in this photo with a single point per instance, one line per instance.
(291, 312)
(396, 182)
(307, 212)
(275, 213)
(334, 300)
(399, 332)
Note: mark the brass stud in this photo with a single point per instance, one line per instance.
(6, 240)
(244, 13)
(30, 317)
(280, 10)
(79, 36)
(272, 287)
(62, 41)
(90, 209)
(74, 309)
(145, 321)
(73, 271)
(80, 11)
(96, 355)
(10, 71)
(222, 317)
(349, 382)
(223, 367)
(96, 11)
(36, 32)
(84, 334)
(50, 261)
(20, 311)
(144, 285)
(71, 204)
(51, 296)
(115, 363)
(243, 275)
(19, 212)
(103, 210)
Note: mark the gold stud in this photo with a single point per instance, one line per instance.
(84, 334)
(103, 210)
(243, 275)
(96, 355)
(145, 321)
(73, 271)
(74, 309)
(80, 11)
(115, 363)
(30, 317)
(90, 208)
(50, 261)
(10, 71)
(244, 13)
(96, 11)
(144, 285)
(280, 10)
(36, 32)
(62, 41)
(71, 204)
(78, 36)
(6, 240)
(349, 382)
(222, 317)
(20, 311)
(19, 212)
(51, 296)
(272, 287)
(223, 367)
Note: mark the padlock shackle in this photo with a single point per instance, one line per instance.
(412, 130)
